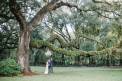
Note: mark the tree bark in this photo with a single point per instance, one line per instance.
(23, 51)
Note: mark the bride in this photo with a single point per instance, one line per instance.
(47, 68)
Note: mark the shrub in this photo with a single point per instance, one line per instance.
(9, 67)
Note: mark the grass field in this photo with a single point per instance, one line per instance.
(72, 74)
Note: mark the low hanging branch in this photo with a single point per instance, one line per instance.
(108, 51)
(40, 43)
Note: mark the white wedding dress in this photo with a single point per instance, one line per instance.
(46, 69)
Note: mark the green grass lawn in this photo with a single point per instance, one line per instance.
(72, 74)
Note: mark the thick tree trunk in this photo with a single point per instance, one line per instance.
(23, 51)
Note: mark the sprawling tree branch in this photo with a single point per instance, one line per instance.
(42, 12)
(53, 5)
(15, 9)
(108, 51)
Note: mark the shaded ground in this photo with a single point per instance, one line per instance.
(72, 74)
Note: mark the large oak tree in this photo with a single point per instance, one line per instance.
(26, 28)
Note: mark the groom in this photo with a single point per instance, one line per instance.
(50, 65)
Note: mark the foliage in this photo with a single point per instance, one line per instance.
(9, 67)
(8, 36)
